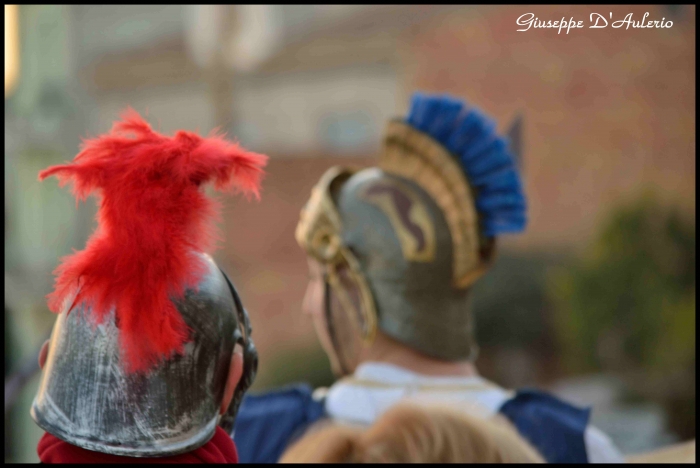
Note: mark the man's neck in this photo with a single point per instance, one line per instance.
(389, 351)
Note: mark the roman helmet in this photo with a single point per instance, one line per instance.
(140, 353)
(402, 243)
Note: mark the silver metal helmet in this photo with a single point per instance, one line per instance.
(403, 243)
(87, 399)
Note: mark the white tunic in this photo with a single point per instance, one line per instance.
(375, 387)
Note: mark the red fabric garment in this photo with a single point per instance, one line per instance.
(220, 449)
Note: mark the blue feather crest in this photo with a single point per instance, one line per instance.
(484, 155)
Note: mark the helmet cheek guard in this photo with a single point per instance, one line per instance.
(348, 300)
(242, 336)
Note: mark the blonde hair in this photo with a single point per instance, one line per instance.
(409, 433)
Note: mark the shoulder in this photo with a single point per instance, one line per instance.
(267, 422)
(289, 399)
(536, 401)
(556, 428)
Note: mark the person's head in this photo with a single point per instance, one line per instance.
(152, 347)
(394, 250)
(414, 434)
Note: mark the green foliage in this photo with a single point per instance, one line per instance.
(629, 304)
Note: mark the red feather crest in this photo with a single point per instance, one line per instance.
(152, 216)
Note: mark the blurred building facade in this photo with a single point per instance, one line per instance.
(606, 113)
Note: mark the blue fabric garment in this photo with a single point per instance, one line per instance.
(267, 423)
(555, 428)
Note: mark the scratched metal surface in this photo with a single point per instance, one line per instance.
(86, 399)
(416, 303)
